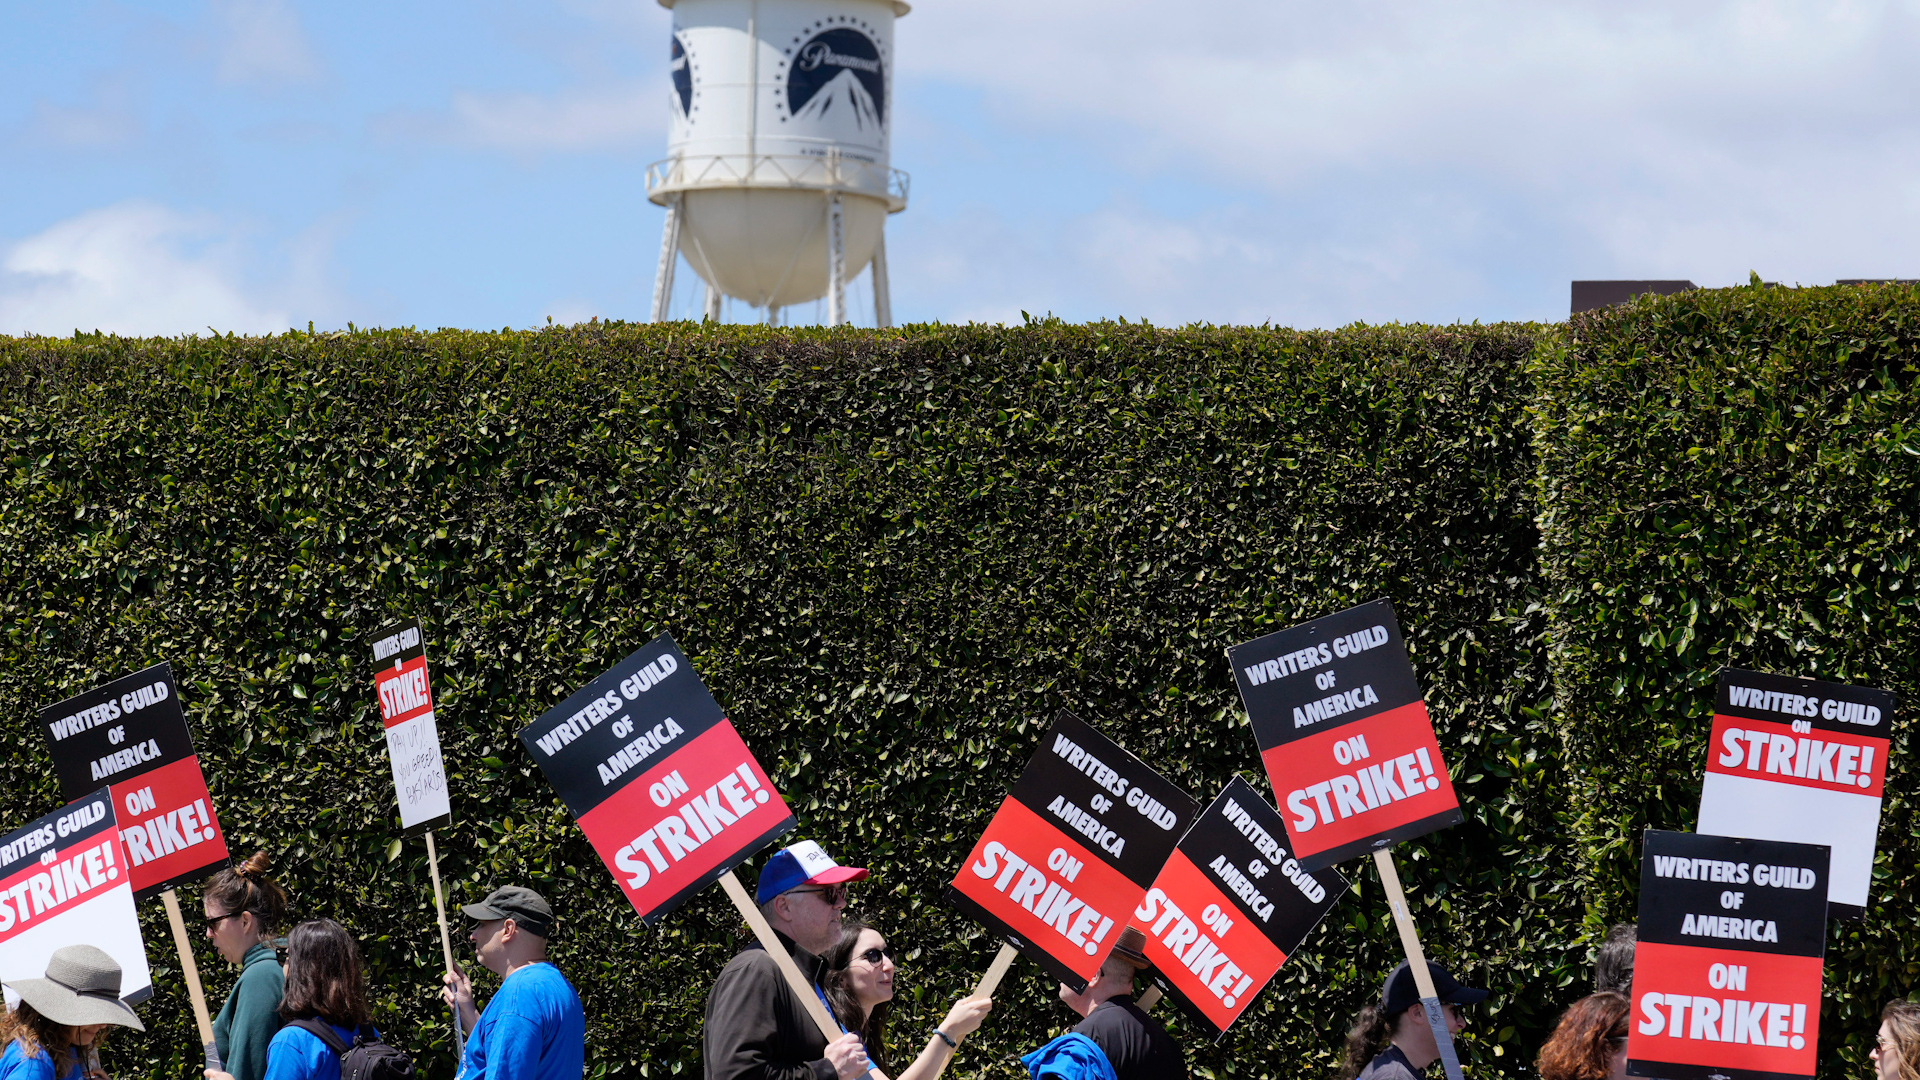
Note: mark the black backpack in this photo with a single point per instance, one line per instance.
(367, 1059)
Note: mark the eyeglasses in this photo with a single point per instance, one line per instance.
(217, 919)
(830, 894)
(875, 955)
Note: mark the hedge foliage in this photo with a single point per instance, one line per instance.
(893, 555)
(1733, 478)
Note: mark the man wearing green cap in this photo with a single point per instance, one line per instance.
(534, 1028)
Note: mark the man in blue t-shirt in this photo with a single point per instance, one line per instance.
(533, 1029)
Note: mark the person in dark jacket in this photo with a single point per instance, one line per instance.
(243, 907)
(1391, 1039)
(755, 1029)
(1135, 1044)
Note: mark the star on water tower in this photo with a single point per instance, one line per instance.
(777, 187)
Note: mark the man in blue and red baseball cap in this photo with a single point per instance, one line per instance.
(755, 1029)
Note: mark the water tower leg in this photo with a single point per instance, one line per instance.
(713, 304)
(836, 264)
(669, 254)
(882, 296)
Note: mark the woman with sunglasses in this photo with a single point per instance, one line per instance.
(859, 986)
(243, 906)
(1590, 1042)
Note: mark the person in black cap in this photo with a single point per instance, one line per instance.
(1134, 1043)
(1391, 1040)
(755, 1029)
(534, 1027)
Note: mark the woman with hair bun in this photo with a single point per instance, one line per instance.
(243, 906)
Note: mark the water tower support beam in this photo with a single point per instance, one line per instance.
(836, 264)
(669, 254)
(882, 295)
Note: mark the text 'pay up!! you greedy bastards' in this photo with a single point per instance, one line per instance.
(64, 881)
(1803, 761)
(1229, 907)
(1072, 850)
(413, 735)
(1345, 735)
(1726, 972)
(659, 780)
(132, 735)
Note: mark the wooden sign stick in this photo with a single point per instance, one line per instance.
(1417, 961)
(446, 944)
(802, 989)
(1149, 999)
(996, 971)
(191, 970)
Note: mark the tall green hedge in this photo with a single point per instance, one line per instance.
(893, 555)
(1733, 478)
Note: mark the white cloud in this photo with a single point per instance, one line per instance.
(139, 268)
(263, 44)
(617, 117)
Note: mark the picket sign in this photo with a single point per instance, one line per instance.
(405, 696)
(667, 793)
(1802, 761)
(65, 879)
(1349, 747)
(1728, 965)
(132, 735)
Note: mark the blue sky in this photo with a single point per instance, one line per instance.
(253, 164)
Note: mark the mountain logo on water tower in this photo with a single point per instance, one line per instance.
(682, 67)
(838, 73)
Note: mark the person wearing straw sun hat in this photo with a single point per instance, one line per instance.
(53, 1031)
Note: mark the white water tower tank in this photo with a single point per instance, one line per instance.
(777, 184)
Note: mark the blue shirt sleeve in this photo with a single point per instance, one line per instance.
(513, 1049)
(15, 1065)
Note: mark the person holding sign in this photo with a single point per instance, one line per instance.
(1395, 1035)
(243, 905)
(755, 1030)
(859, 986)
(534, 1027)
(1135, 1045)
(55, 1030)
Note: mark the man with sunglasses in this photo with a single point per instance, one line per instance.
(755, 1029)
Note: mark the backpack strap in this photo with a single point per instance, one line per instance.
(319, 1028)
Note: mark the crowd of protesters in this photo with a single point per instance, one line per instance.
(310, 1019)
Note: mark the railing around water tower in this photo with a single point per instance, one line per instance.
(830, 172)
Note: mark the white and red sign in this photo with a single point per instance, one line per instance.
(659, 780)
(131, 734)
(64, 880)
(1726, 972)
(1072, 850)
(413, 737)
(1804, 761)
(1229, 906)
(1344, 733)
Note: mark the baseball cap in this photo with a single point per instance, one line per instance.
(528, 910)
(1402, 993)
(800, 864)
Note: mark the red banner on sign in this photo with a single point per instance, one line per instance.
(403, 691)
(1341, 786)
(1726, 1008)
(167, 823)
(1822, 759)
(1203, 944)
(672, 830)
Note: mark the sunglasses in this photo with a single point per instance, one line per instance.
(874, 956)
(218, 919)
(831, 894)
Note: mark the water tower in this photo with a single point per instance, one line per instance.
(777, 187)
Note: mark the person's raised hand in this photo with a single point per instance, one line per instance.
(848, 1056)
(965, 1017)
(457, 991)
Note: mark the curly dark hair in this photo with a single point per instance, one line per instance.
(324, 976)
(871, 1027)
(1372, 1030)
(37, 1035)
(1582, 1044)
